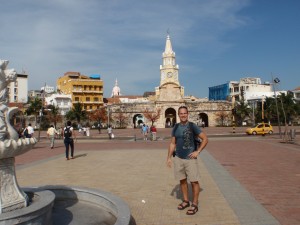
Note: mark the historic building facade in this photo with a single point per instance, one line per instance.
(88, 90)
(169, 96)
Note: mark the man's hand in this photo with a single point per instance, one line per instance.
(194, 155)
(169, 163)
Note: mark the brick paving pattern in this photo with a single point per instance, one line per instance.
(267, 170)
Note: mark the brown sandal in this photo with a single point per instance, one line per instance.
(184, 204)
(192, 210)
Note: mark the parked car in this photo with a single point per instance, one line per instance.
(261, 128)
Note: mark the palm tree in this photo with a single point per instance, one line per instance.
(54, 115)
(289, 108)
(243, 110)
(76, 113)
(34, 108)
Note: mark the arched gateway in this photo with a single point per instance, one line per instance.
(170, 117)
(168, 97)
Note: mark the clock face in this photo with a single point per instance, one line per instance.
(169, 74)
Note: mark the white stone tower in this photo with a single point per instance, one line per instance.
(169, 89)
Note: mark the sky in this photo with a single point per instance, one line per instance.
(215, 41)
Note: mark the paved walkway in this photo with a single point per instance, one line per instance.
(136, 172)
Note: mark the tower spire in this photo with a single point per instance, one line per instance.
(168, 48)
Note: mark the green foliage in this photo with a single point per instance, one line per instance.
(53, 114)
(35, 106)
(76, 113)
(288, 109)
(242, 110)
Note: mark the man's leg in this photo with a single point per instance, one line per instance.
(72, 148)
(196, 192)
(184, 189)
(67, 148)
(52, 141)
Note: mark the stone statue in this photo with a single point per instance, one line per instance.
(11, 196)
(6, 76)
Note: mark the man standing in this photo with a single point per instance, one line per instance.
(153, 132)
(185, 161)
(51, 132)
(68, 135)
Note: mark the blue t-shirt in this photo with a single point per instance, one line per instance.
(185, 136)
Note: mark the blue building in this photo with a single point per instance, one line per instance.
(219, 92)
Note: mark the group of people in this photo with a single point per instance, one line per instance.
(145, 130)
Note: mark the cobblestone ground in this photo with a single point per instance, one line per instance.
(266, 166)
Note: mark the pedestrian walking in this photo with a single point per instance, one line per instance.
(69, 135)
(109, 132)
(51, 132)
(183, 139)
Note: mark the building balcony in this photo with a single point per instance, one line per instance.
(87, 91)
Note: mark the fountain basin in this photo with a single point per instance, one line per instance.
(38, 212)
(77, 205)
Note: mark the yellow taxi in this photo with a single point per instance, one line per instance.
(261, 128)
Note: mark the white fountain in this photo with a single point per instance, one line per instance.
(47, 205)
(11, 196)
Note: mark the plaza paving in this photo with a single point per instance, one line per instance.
(244, 179)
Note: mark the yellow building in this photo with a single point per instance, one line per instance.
(86, 90)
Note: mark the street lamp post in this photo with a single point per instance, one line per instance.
(253, 114)
(233, 114)
(41, 111)
(276, 81)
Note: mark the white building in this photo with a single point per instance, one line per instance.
(62, 101)
(251, 88)
(17, 91)
(296, 94)
(48, 89)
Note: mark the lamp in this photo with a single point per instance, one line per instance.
(276, 81)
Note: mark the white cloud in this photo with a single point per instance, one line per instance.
(118, 39)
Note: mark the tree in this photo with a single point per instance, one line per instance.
(222, 116)
(76, 113)
(120, 118)
(34, 108)
(288, 109)
(242, 110)
(99, 115)
(53, 114)
(153, 116)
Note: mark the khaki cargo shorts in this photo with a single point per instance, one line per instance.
(186, 168)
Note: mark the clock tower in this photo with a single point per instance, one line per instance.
(169, 88)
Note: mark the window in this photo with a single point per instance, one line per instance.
(88, 99)
(96, 99)
(76, 99)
